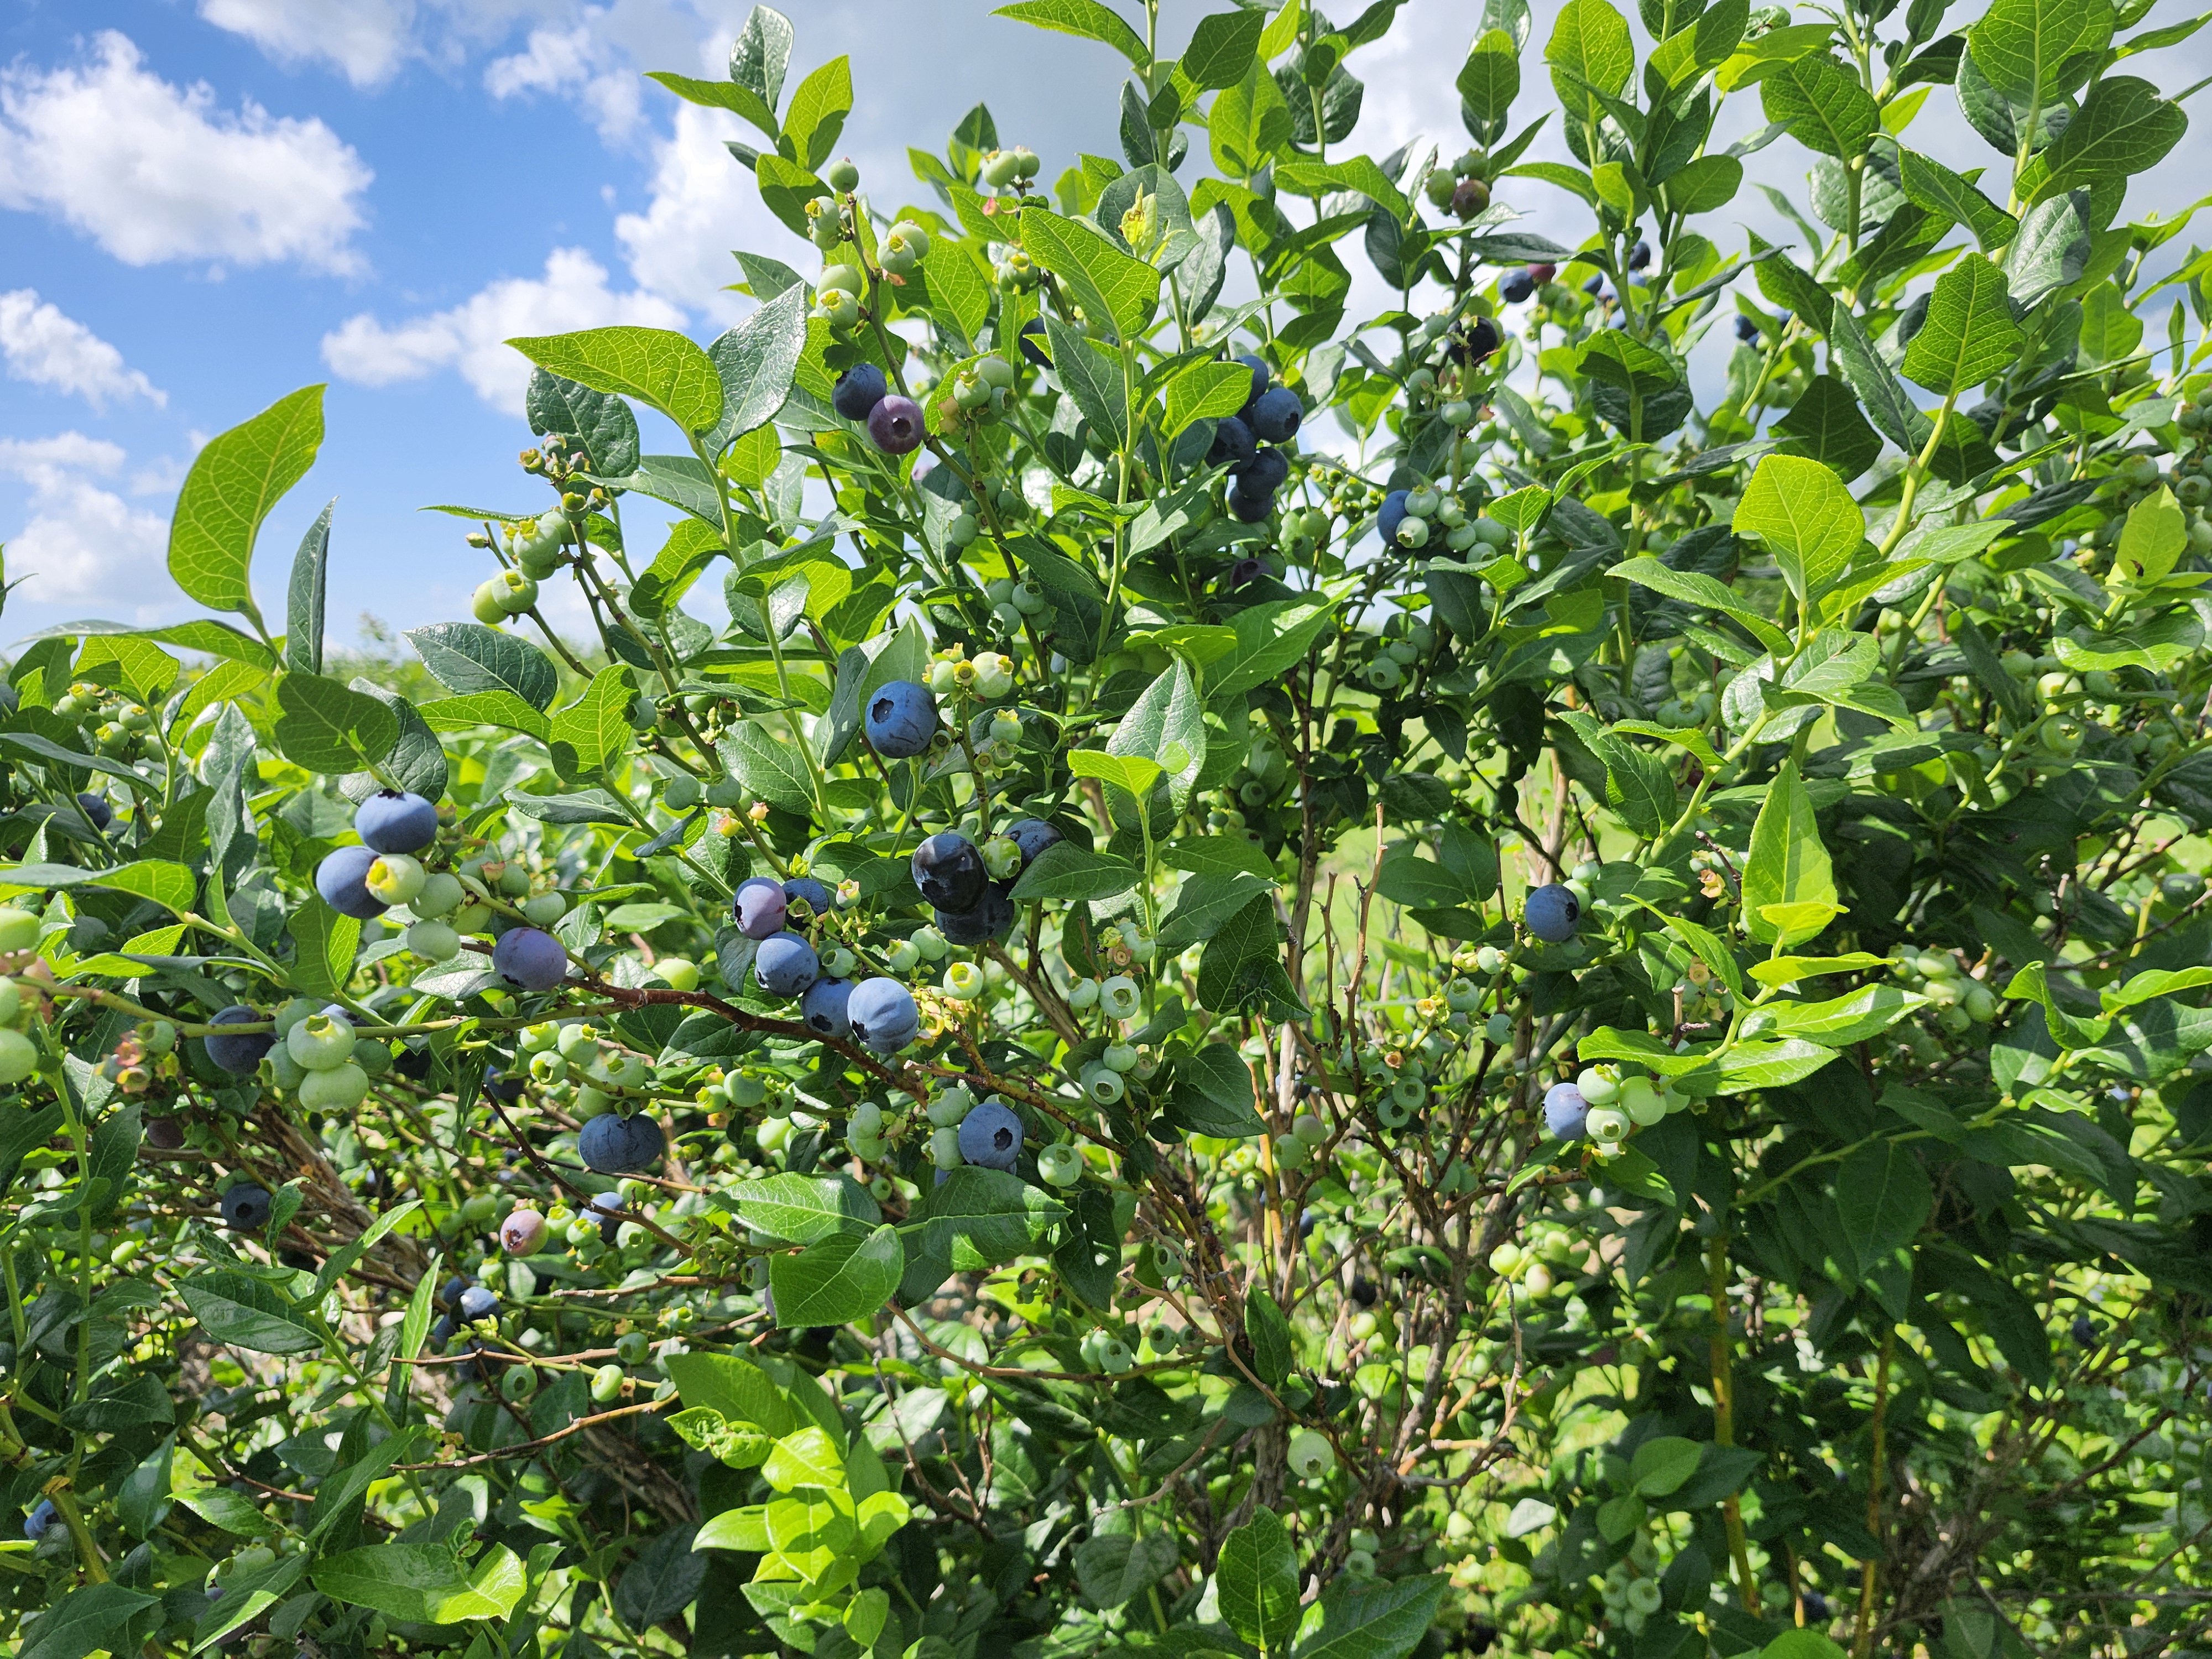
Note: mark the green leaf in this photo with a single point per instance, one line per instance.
(996, 1216)
(2158, 645)
(2021, 46)
(804, 1457)
(577, 417)
(805, 1208)
(1065, 871)
(1092, 376)
(1969, 334)
(1108, 284)
(774, 772)
(1807, 519)
(1166, 724)
(1827, 428)
(423, 1584)
(1888, 405)
(1931, 186)
(656, 365)
(735, 1388)
(1271, 637)
(1085, 18)
(170, 886)
(595, 728)
(1249, 123)
(2153, 537)
(1691, 588)
(1883, 1198)
(1590, 48)
(1822, 105)
(818, 111)
(1806, 1644)
(1490, 80)
(468, 657)
(845, 1277)
(1211, 1094)
(1662, 1465)
(1787, 864)
(1384, 1621)
(1844, 1020)
(326, 944)
(328, 727)
(415, 760)
(1134, 774)
(303, 626)
(1257, 1581)
(235, 481)
(484, 708)
(2052, 246)
(236, 1309)
(1273, 1352)
(720, 94)
(1206, 391)
(1222, 49)
(755, 361)
(1117, 1567)
(2124, 128)
(84, 1621)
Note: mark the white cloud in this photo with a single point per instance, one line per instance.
(471, 336)
(703, 205)
(81, 542)
(365, 38)
(583, 61)
(153, 171)
(46, 348)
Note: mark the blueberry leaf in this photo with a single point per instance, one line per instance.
(234, 482)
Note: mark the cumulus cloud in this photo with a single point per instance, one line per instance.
(153, 171)
(702, 205)
(366, 40)
(471, 336)
(81, 542)
(45, 347)
(580, 61)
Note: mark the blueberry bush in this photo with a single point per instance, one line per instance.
(1525, 973)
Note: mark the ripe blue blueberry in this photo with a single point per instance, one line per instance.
(614, 1144)
(503, 1086)
(1747, 331)
(1247, 508)
(238, 1054)
(760, 907)
(1276, 415)
(1392, 516)
(530, 959)
(36, 1523)
(441, 1330)
(449, 1293)
(343, 880)
(824, 1006)
(1260, 379)
(991, 918)
(390, 821)
(2084, 1331)
(477, 1302)
(857, 391)
(882, 1015)
(991, 1135)
(1517, 286)
(1640, 255)
(895, 425)
(817, 894)
(1246, 570)
(1266, 474)
(1475, 342)
(246, 1207)
(1233, 445)
(901, 720)
(949, 869)
(96, 809)
(1552, 914)
(1033, 835)
(1565, 1108)
(786, 965)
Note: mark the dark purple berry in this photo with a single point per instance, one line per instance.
(761, 906)
(857, 391)
(530, 959)
(950, 872)
(895, 425)
(1233, 445)
(238, 1054)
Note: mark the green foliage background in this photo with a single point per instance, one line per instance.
(1863, 706)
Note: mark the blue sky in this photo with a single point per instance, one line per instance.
(204, 204)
